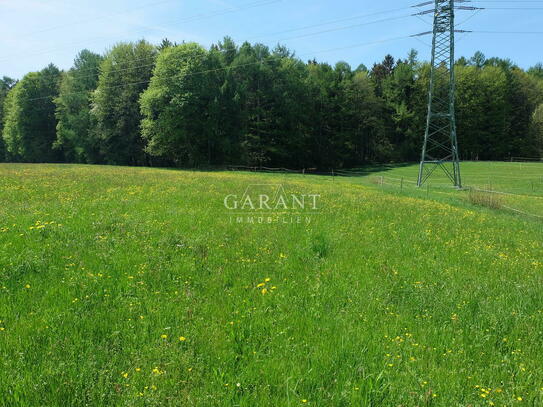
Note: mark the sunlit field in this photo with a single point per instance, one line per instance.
(513, 177)
(135, 287)
(517, 186)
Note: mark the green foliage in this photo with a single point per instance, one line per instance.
(76, 133)
(5, 85)
(29, 117)
(481, 102)
(250, 80)
(537, 71)
(256, 106)
(274, 96)
(399, 95)
(179, 107)
(124, 74)
(363, 132)
(523, 96)
(536, 129)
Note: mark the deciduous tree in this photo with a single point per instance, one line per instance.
(124, 74)
(30, 125)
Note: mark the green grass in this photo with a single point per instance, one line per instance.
(518, 186)
(389, 297)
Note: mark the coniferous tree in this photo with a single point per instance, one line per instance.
(537, 70)
(76, 130)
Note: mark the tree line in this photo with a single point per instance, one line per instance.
(187, 106)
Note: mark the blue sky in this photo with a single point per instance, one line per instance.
(34, 33)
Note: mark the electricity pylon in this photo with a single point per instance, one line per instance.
(440, 148)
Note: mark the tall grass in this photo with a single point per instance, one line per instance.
(488, 199)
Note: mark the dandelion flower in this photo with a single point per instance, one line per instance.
(164, 336)
(182, 338)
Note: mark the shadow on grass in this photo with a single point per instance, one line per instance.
(361, 171)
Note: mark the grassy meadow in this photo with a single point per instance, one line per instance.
(514, 186)
(134, 287)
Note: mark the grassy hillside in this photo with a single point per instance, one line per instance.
(125, 286)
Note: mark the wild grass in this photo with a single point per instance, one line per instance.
(133, 287)
(488, 199)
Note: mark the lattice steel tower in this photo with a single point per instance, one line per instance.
(440, 148)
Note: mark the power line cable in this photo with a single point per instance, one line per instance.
(506, 1)
(506, 32)
(305, 35)
(157, 3)
(340, 20)
(475, 13)
(513, 8)
(235, 48)
(331, 30)
(310, 26)
(183, 20)
(346, 27)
